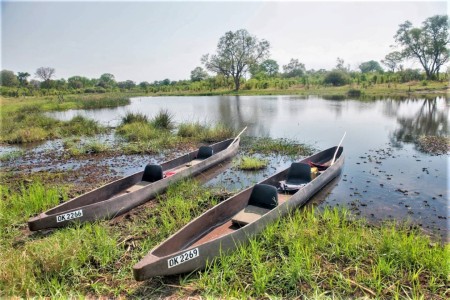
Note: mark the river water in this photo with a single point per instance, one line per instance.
(385, 175)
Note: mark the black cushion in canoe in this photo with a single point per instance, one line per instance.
(204, 152)
(152, 173)
(299, 173)
(264, 195)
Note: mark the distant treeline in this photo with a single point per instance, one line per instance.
(12, 86)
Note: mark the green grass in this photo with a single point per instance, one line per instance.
(12, 155)
(278, 146)
(131, 117)
(30, 124)
(251, 163)
(163, 120)
(308, 254)
(77, 147)
(205, 132)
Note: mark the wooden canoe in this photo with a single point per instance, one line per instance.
(120, 196)
(216, 230)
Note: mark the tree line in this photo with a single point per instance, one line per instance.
(242, 60)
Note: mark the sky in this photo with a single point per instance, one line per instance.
(150, 40)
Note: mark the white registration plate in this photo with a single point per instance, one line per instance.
(69, 216)
(183, 257)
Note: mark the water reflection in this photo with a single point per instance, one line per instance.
(428, 120)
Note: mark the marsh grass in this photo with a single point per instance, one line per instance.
(251, 163)
(163, 120)
(279, 146)
(131, 117)
(30, 124)
(205, 132)
(77, 147)
(329, 253)
(12, 155)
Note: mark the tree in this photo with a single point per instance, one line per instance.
(236, 52)
(7, 78)
(392, 60)
(340, 65)
(370, 67)
(128, 84)
(198, 74)
(336, 78)
(22, 77)
(78, 82)
(294, 69)
(107, 81)
(270, 67)
(427, 44)
(46, 74)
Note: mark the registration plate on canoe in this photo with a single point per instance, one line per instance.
(69, 216)
(182, 258)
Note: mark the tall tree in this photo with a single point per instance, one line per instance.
(22, 77)
(107, 80)
(392, 60)
(294, 68)
(427, 44)
(46, 74)
(370, 66)
(7, 78)
(270, 67)
(198, 74)
(236, 52)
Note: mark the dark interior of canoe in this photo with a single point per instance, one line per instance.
(230, 215)
(151, 173)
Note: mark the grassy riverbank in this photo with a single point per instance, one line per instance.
(323, 254)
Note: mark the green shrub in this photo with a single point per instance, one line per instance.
(336, 78)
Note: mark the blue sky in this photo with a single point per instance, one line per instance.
(148, 40)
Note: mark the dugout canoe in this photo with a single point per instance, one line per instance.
(235, 220)
(120, 196)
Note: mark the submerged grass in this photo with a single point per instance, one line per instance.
(251, 163)
(434, 144)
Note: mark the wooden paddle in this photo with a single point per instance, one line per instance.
(237, 137)
(337, 149)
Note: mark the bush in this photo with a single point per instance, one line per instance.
(336, 78)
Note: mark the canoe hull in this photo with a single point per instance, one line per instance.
(102, 203)
(155, 264)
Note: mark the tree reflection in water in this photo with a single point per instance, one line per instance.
(428, 121)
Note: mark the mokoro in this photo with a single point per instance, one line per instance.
(120, 196)
(233, 221)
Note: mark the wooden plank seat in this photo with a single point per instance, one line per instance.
(263, 198)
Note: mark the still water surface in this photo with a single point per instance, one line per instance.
(385, 176)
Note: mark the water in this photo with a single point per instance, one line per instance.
(385, 175)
